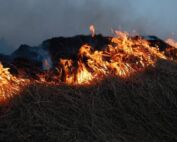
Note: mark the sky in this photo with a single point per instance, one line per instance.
(33, 21)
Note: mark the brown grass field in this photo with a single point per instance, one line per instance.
(142, 108)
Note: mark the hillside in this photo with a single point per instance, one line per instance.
(140, 108)
(124, 90)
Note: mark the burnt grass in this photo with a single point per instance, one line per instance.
(142, 108)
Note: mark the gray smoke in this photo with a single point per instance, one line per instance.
(32, 21)
(5, 48)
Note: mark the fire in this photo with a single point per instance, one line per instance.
(73, 75)
(122, 57)
(9, 84)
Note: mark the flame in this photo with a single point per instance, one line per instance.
(92, 30)
(122, 57)
(9, 85)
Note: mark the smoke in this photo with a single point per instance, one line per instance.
(5, 48)
(33, 21)
(45, 57)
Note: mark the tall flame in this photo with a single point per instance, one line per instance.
(122, 57)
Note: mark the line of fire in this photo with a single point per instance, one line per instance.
(86, 60)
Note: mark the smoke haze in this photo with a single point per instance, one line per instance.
(32, 21)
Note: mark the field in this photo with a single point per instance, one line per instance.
(141, 108)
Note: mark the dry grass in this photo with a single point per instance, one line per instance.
(142, 108)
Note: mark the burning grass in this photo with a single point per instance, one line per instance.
(125, 92)
(123, 57)
(139, 108)
(9, 84)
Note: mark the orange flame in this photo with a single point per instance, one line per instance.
(9, 84)
(123, 57)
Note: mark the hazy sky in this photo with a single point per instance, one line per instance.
(32, 21)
